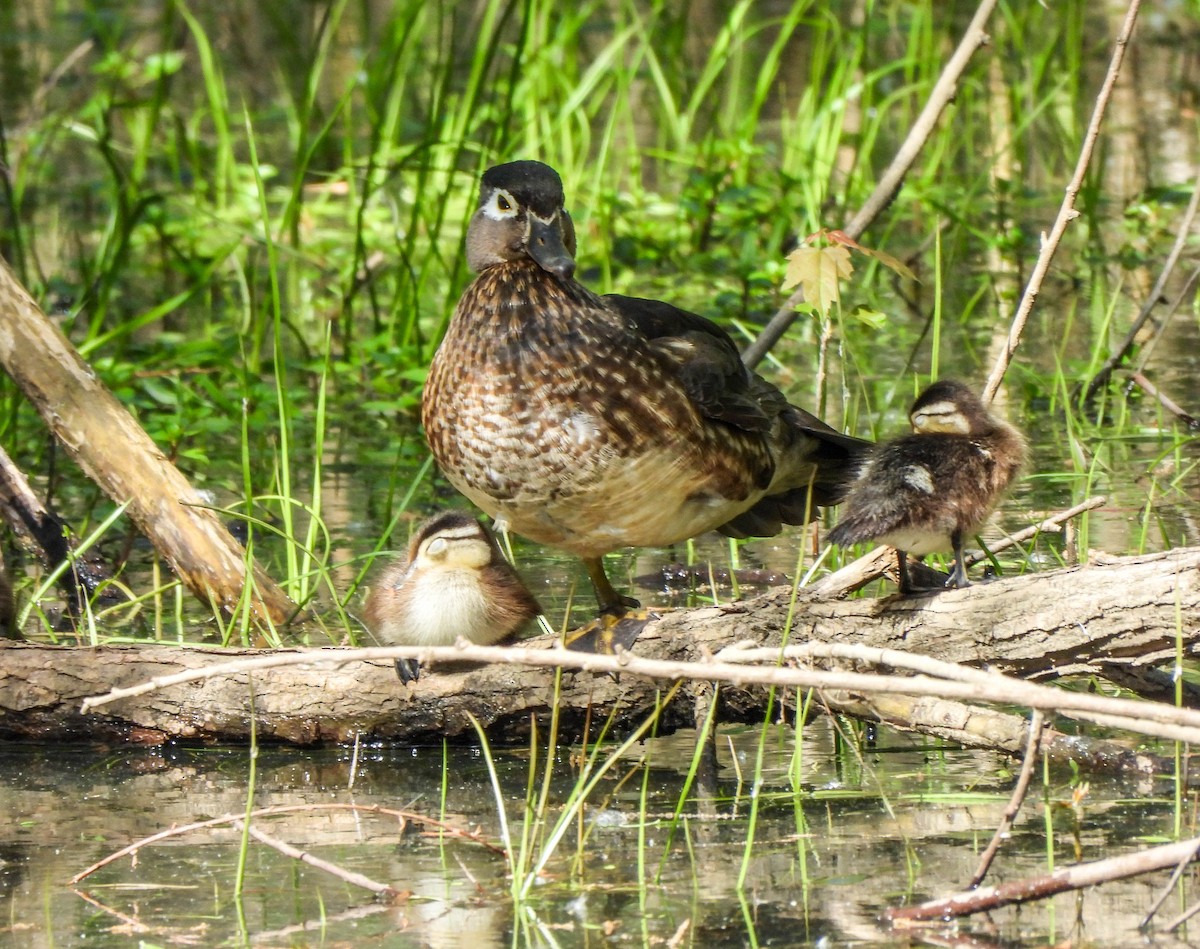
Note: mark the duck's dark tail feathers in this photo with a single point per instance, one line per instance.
(822, 464)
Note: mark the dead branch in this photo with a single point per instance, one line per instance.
(108, 444)
(1038, 888)
(889, 183)
(1062, 622)
(1028, 762)
(1165, 400)
(1121, 353)
(26, 516)
(1003, 732)
(381, 890)
(1066, 211)
(402, 816)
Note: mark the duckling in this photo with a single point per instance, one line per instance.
(928, 491)
(592, 423)
(454, 581)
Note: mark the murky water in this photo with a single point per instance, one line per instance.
(864, 830)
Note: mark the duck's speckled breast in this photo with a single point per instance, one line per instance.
(549, 412)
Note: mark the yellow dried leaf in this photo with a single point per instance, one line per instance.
(817, 271)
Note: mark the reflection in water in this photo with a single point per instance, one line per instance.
(866, 827)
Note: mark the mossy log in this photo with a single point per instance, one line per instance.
(1115, 616)
(101, 436)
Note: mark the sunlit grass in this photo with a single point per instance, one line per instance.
(295, 233)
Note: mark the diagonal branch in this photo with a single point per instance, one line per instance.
(889, 183)
(1066, 211)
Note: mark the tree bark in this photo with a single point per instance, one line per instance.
(101, 436)
(1122, 613)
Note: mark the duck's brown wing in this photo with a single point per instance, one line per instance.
(711, 371)
(706, 363)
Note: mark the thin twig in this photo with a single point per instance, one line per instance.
(323, 923)
(1122, 352)
(889, 183)
(131, 924)
(385, 890)
(1183, 917)
(1166, 892)
(1186, 296)
(403, 816)
(1036, 724)
(1147, 718)
(1035, 888)
(1165, 401)
(1066, 211)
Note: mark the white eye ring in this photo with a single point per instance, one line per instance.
(501, 206)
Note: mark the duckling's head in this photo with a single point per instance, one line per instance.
(521, 217)
(454, 541)
(950, 408)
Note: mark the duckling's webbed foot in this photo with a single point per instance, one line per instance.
(409, 670)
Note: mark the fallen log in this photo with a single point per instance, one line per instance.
(100, 435)
(1115, 613)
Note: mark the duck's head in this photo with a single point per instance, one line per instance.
(521, 216)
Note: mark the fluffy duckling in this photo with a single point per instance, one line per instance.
(454, 581)
(928, 491)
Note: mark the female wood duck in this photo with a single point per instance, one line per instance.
(594, 422)
(929, 491)
(453, 582)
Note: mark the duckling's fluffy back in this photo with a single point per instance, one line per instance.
(916, 491)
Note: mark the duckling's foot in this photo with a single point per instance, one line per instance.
(409, 670)
(608, 631)
(916, 578)
(958, 579)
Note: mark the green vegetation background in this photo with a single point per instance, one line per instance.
(249, 218)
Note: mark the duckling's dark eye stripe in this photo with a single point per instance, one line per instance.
(466, 532)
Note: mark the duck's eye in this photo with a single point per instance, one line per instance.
(437, 547)
(503, 203)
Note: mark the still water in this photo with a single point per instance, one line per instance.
(866, 827)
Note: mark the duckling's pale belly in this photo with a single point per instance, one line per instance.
(444, 605)
(918, 541)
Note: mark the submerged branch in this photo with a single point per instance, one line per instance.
(1038, 888)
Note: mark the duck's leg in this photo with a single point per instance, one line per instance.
(611, 602)
(958, 579)
(902, 572)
